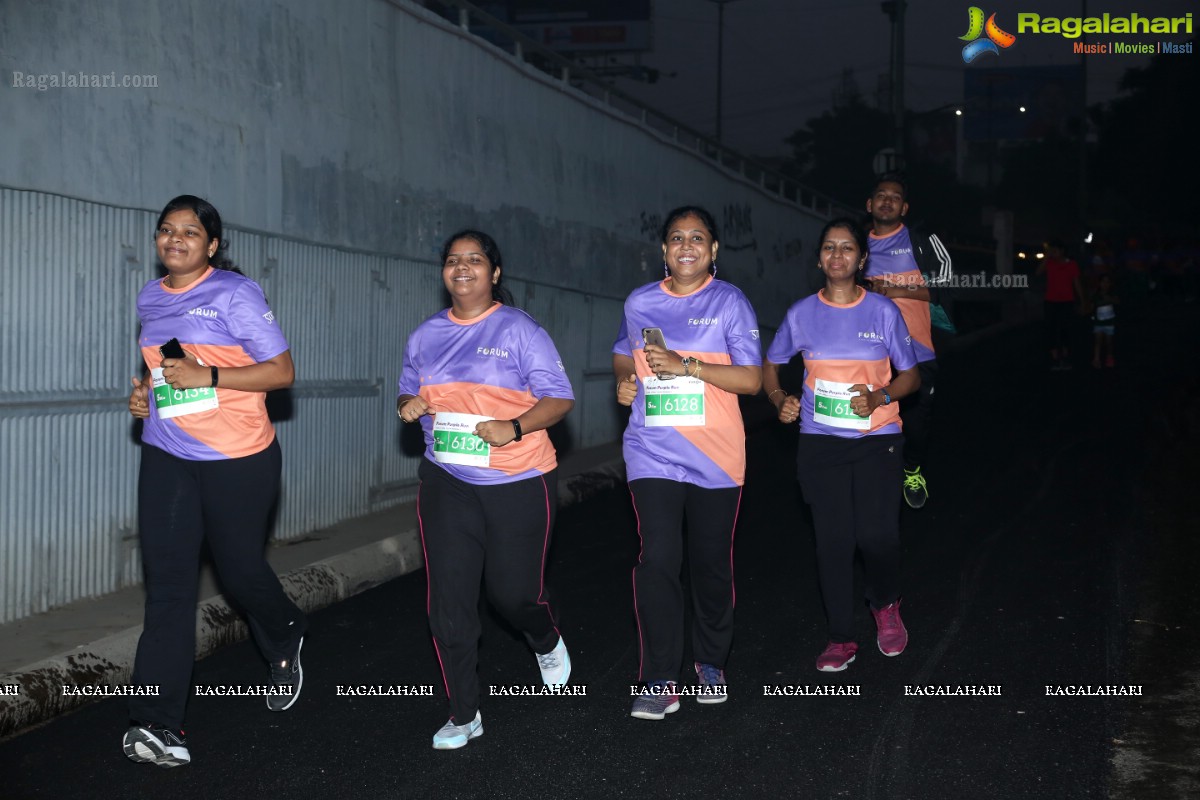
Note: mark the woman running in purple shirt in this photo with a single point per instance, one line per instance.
(688, 346)
(850, 452)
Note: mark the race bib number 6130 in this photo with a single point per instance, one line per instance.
(455, 442)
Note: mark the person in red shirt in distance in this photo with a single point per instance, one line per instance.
(1064, 293)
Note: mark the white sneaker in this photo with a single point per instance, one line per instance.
(452, 737)
(154, 744)
(555, 665)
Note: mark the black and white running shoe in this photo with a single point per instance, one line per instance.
(154, 744)
(287, 677)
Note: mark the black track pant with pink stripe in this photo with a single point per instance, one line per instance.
(500, 532)
(657, 593)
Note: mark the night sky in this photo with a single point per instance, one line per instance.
(785, 58)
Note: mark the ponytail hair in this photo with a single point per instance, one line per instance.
(491, 251)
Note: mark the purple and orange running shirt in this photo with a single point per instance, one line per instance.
(495, 366)
(892, 259)
(844, 345)
(224, 320)
(684, 429)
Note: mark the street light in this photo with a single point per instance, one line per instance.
(894, 9)
(720, 59)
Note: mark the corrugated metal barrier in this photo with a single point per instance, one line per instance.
(70, 272)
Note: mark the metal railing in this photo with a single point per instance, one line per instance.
(527, 50)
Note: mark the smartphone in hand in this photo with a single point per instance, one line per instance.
(655, 336)
(172, 349)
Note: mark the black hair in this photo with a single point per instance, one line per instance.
(676, 214)
(850, 224)
(896, 178)
(491, 251)
(210, 218)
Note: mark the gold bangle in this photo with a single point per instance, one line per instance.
(699, 366)
(773, 391)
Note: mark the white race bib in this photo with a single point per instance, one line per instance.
(831, 406)
(172, 402)
(676, 403)
(1105, 313)
(455, 442)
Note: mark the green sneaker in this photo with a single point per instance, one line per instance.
(915, 490)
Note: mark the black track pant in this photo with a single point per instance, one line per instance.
(917, 412)
(182, 504)
(1059, 323)
(853, 487)
(500, 532)
(657, 594)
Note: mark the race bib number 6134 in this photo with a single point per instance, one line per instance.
(171, 402)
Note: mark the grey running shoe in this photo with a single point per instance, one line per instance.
(712, 684)
(452, 737)
(658, 701)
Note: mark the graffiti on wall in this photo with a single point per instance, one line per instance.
(791, 250)
(650, 225)
(737, 227)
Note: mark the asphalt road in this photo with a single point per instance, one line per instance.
(1053, 552)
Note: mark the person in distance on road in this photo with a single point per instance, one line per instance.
(1063, 299)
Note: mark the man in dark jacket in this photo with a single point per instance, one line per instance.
(904, 265)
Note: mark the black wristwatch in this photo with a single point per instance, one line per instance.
(517, 431)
